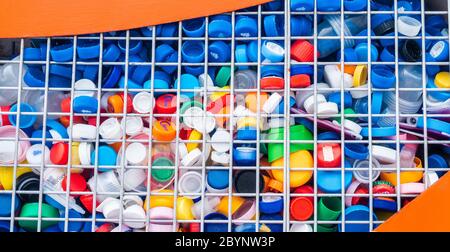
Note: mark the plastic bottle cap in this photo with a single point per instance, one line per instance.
(220, 157)
(163, 130)
(328, 155)
(190, 183)
(84, 152)
(383, 154)
(272, 82)
(271, 103)
(408, 26)
(110, 208)
(34, 154)
(133, 178)
(221, 140)
(83, 131)
(298, 159)
(218, 179)
(303, 51)
(272, 51)
(192, 157)
(143, 103)
(136, 154)
(110, 129)
(362, 174)
(59, 153)
(106, 156)
(301, 227)
(333, 77)
(133, 125)
(162, 175)
(245, 182)
(28, 182)
(77, 183)
(26, 121)
(84, 87)
(32, 210)
(442, 80)
(6, 203)
(301, 208)
(360, 76)
(205, 123)
(192, 114)
(166, 104)
(310, 103)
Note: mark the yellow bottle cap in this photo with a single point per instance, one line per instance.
(442, 80)
(184, 206)
(298, 159)
(160, 200)
(251, 100)
(360, 75)
(236, 203)
(216, 95)
(248, 122)
(405, 176)
(75, 157)
(6, 175)
(194, 136)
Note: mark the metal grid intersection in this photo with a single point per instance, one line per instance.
(287, 39)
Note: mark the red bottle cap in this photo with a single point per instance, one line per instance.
(185, 133)
(272, 82)
(5, 119)
(77, 183)
(301, 208)
(194, 227)
(360, 200)
(300, 81)
(166, 104)
(129, 101)
(87, 202)
(105, 228)
(328, 155)
(303, 51)
(59, 153)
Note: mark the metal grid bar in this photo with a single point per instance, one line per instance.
(287, 38)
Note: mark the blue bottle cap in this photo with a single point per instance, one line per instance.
(246, 27)
(357, 213)
(188, 81)
(274, 25)
(220, 27)
(31, 54)
(87, 227)
(218, 179)
(194, 27)
(62, 71)
(437, 161)
(157, 84)
(167, 30)
(215, 227)
(377, 103)
(247, 133)
(39, 134)
(4, 227)
(52, 229)
(273, 5)
(272, 50)
(58, 127)
(173, 58)
(271, 204)
(34, 77)
(388, 54)
(330, 181)
(356, 151)
(111, 53)
(26, 121)
(305, 122)
(219, 51)
(112, 76)
(355, 5)
(302, 5)
(241, 55)
(88, 50)
(134, 46)
(382, 77)
(194, 70)
(5, 204)
(272, 217)
(252, 51)
(246, 227)
(244, 156)
(329, 135)
(328, 5)
(72, 226)
(272, 70)
(385, 204)
(349, 55)
(85, 104)
(130, 85)
(90, 72)
(435, 92)
(62, 53)
(363, 33)
(106, 156)
(140, 74)
(388, 42)
(302, 69)
(49, 200)
(439, 51)
(193, 51)
(361, 52)
(280, 108)
(301, 26)
(162, 76)
(336, 98)
(404, 6)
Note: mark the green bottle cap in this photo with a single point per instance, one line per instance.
(162, 175)
(32, 210)
(297, 132)
(223, 76)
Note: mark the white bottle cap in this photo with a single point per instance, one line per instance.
(384, 155)
(192, 157)
(110, 207)
(272, 103)
(84, 87)
(143, 103)
(408, 26)
(208, 207)
(430, 178)
(333, 77)
(133, 125)
(350, 125)
(133, 179)
(190, 182)
(129, 200)
(84, 151)
(325, 109)
(205, 124)
(34, 154)
(56, 136)
(278, 122)
(134, 216)
(110, 129)
(221, 140)
(192, 114)
(136, 154)
(301, 227)
(310, 102)
(358, 94)
(222, 158)
(83, 131)
(202, 79)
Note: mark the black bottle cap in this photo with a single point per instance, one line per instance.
(28, 182)
(386, 27)
(411, 51)
(245, 182)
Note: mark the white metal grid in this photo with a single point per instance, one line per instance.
(287, 39)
